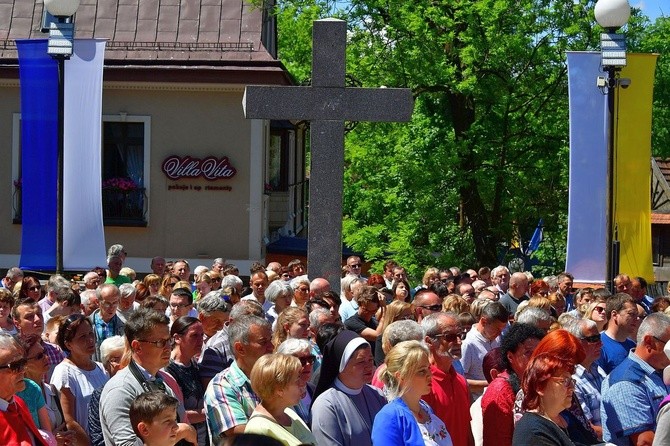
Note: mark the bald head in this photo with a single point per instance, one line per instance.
(518, 285)
(318, 286)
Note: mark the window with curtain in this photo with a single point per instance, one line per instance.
(124, 198)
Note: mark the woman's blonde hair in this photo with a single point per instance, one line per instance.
(401, 363)
(290, 315)
(539, 301)
(272, 373)
(394, 310)
(455, 304)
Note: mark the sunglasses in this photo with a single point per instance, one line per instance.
(599, 309)
(592, 339)
(436, 307)
(449, 337)
(16, 366)
(160, 343)
(34, 288)
(304, 360)
(356, 265)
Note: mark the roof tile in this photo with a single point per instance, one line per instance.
(148, 10)
(126, 18)
(146, 31)
(190, 10)
(208, 37)
(166, 36)
(104, 28)
(124, 36)
(21, 27)
(231, 11)
(5, 17)
(85, 19)
(188, 31)
(107, 9)
(168, 18)
(209, 18)
(24, 9)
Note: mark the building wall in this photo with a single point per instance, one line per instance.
(10, 234)
(194, 120)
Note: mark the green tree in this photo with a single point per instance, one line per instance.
(656, 39)
(486, 153)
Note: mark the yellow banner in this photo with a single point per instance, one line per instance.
(632, 179)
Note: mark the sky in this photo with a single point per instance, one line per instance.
(652, 8)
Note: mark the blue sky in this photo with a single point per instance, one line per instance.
(652, 8)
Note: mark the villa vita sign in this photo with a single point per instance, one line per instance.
(210, 168)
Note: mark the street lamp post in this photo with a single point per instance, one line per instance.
(611, 15)
(60, 47)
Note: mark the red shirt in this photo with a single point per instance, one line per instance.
(450, 400)
(498, 412)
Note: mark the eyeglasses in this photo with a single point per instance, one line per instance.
(566, 382)
(38, 357)
(661, 340)
(106, 304)
(592, 339)
(16, 366)
(216, 280)
(449, 337)
(175, 306)
(304, 360)
(160, 343)
(436, 307)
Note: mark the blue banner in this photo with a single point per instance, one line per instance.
(588, 169)
(38, 75)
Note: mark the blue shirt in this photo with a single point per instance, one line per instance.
(613, 352)
(631, 395)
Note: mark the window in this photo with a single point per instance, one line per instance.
(125, 170)
(277, 161)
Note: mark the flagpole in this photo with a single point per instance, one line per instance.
(611, 15)
(61, 153)
(61, 47)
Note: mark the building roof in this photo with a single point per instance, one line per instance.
(218, 35)
(664, 167)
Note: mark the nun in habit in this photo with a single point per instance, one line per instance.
(344, 404)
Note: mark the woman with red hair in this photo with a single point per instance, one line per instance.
(569, 350)
(548, 390)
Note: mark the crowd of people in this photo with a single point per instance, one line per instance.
(465, 358)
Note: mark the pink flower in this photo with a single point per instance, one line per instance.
(119, 183)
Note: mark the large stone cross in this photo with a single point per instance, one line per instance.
(327, 104)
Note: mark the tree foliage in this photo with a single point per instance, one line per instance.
(486, 153)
